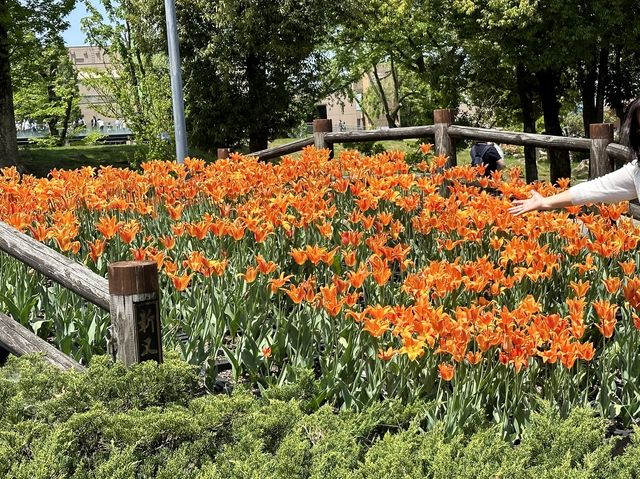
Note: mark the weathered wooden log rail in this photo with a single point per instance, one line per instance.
(521, 139)
(402, 133)
(55, 266)
(619, 152)
(18, 340)
(282, 150)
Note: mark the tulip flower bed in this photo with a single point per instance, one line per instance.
(387, 279)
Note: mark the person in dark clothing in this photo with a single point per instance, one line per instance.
(487, 154)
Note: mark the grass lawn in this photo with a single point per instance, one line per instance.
(39, 161)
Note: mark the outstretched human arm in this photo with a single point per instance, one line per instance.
(611, 188)
(541, 203)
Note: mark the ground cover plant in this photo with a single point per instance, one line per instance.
(150, 421)
(385, 277)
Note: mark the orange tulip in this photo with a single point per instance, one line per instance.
(631, 290)
(580, 288)
(446, 371)
(387, 354)
(168, 242)
(628, 267)
(265, 267)
(425, 148)
(357, 278)
(612, 284)
(250, 275)
(180, 282)
(299, 256)
(349, 258)
(108, 226)
(96, 249)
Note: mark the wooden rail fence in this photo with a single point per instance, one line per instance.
(131, 293)
(603, 152)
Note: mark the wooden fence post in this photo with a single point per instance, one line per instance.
(320, 128)
(444, 143)
(601, 134)
(135, 311)
(223, 153)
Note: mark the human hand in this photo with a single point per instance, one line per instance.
(535, 202)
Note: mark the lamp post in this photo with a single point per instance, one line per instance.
(176, 81)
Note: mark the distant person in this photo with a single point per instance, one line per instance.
(488, 154)
(101, 124)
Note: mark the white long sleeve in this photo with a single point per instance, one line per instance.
(620, 185)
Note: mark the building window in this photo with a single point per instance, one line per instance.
(358, 101)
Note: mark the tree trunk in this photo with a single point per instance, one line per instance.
(65, 122)
(592, 88)
(8, 137)
(52, 121)
(396, 93)
(614, 96)
(587, 80)
(391, 120)
(256, 81)
(559, 162)
(523, 79)
(258, 140)
(603, 78)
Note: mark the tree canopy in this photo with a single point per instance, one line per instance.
(252, 69)
(24, 24)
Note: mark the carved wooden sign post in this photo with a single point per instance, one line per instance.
(135, 312)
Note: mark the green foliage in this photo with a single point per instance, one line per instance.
(124, 431)
(136, 88)
(408, 51)
(45, 87)
(92, 138)
(31, 48)
(260, 72)
(44, 142)
(367, 148)
(33, 389)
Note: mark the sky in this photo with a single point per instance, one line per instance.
(74, 36)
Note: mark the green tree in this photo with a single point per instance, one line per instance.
(136, 86)
(412, 39)
(21, 20)
(252, 69)
(45, 87)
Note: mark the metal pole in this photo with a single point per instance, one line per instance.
(176, 81)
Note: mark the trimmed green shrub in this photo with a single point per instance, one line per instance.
(149, 422)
